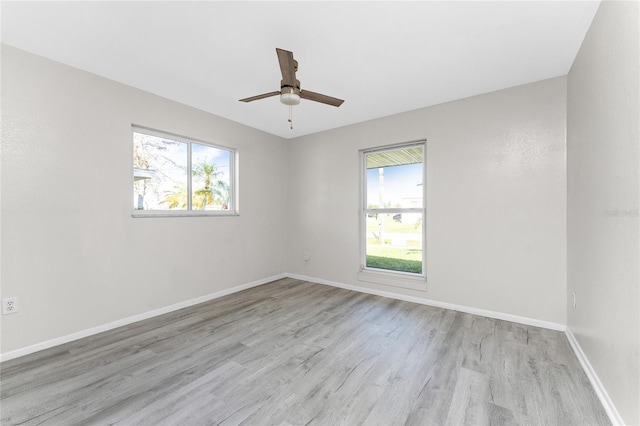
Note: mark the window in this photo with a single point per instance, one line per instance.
(173, 175)
(393, 210)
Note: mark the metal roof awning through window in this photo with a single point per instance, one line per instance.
(398, 157)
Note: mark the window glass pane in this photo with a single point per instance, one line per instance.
(394, 181)
(394, 178)
(211, 178)
(159, 172)
(394, 241)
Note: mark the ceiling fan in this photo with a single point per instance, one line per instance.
(290, 92)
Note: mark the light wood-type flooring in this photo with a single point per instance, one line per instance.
(297, 353)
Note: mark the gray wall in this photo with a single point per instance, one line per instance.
(71, 252)
(603, 231)
(496, 200)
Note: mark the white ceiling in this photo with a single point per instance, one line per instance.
(383, 58)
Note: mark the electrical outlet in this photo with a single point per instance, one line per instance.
(574, 300)
(306, 256)
(9, 305)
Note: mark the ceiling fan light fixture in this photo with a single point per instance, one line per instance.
(288, 96)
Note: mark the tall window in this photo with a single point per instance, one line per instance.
(393, 210)
(173, 175)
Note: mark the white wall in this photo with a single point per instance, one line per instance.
(71, 252)
(603, 233)
(496, 200)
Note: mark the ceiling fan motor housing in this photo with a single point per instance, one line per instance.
(290, 95)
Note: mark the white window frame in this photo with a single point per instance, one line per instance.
(233, 178)
(401, 279)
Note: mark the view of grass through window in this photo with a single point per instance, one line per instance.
(401, 247)
(394, 209)
(175, 174)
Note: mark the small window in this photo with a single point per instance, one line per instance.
(393, 210)
(173, 175)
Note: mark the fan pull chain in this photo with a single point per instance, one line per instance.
(291, 117)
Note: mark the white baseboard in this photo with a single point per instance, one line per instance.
(608, 405)
(129, 320)
(437, 304)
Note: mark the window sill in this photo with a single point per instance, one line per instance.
(394, 279)
(159, 213)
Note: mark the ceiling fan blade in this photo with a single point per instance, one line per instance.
(287, 67)
(264, 95)
(319, 97)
